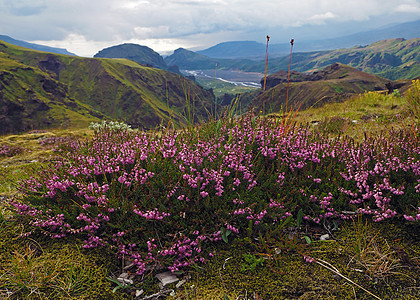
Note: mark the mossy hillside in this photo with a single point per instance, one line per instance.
(34, 100)
(96, 88)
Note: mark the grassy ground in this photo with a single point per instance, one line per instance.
(360, 259)
(368, 113)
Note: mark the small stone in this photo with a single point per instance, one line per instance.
(166, 278)
(139, 293)
(125, 280)
(179, 284)
(324, 237)
(128, 266)
(123, 275)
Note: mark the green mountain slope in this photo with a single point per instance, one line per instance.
(334, 83)
(42, 90)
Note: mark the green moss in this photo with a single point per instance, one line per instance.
(287, 276)
(37, 268)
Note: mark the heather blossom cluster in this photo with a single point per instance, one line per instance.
(53, 142)
(7, 150)
(160, 198)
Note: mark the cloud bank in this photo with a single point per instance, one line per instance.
(85, 27)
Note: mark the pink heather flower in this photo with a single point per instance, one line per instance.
(150, 245)
(237, 201)
(204, 194)
(281, 178)
(232, 228)
(236, 182)
(275, 204)
(152, 214)
(86, 206)
(308, 259)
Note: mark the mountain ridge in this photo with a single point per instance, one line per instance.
(33, 46)
(256, 50)
(393, 58)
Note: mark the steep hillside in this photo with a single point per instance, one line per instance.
(282, 76)
(41, 90)
(332, 84)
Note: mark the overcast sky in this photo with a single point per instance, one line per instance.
(86, 26)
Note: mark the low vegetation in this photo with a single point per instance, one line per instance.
(247, 207)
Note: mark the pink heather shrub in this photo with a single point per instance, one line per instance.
(160, 199)
(9, 150)
(54, 142)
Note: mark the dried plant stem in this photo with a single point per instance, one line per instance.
(265, 73)
(333, 269)
(288, 73)
(215, 98)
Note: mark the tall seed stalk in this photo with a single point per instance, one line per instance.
(288, 73)
(265, 72)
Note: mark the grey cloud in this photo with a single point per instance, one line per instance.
(24, 8)
(120, 20)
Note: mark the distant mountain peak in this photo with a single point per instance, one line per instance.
(138, 53)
